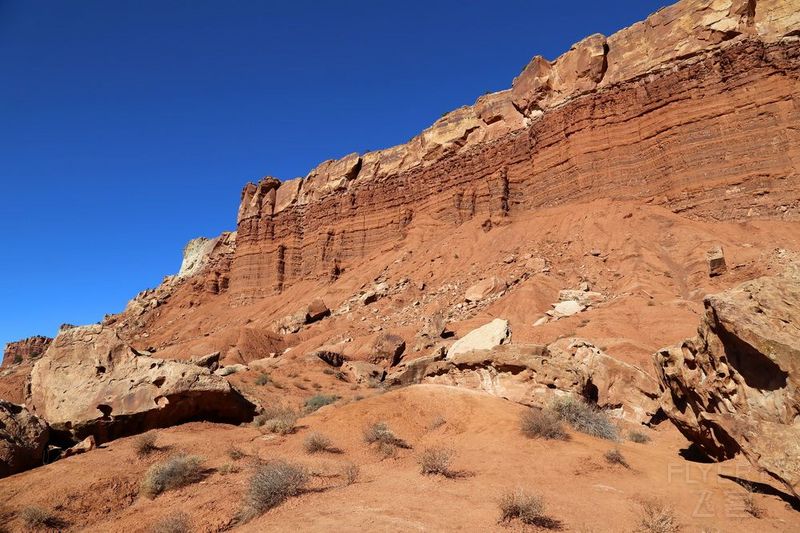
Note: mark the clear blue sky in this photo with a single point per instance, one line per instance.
(129, 127)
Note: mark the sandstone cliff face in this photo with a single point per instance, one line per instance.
(91, 383)
(25, 350)
(692, 105)
(736, 386)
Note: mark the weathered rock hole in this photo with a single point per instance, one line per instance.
(159, 381)
(105, 409)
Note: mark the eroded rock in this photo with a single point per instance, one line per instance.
(388, 348)
(734, 387)
(23, 439)
(90, 382)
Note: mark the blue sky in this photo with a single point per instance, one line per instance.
(129, 127)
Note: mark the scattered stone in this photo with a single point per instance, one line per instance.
(23, 439)
(595, 252)
(486, 337)
(541, 321)
(509, 259)
(716, 262)
(210, 361)
(585, 298)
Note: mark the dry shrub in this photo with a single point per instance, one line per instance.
(319, 400)
(262, 379)
(585, 418)
(350, 473)
(236, 453)
(177, 522)
(272, 484)
(638, 437)
(751, 507)
(36, 518)
(145, 444)
(436, 461)
(175, 472)
(543, 424)
(229, 468)
(436, 423)
(657, 517)
(615, 457)
(526, 507)
(385, 441)
(277, 419)
(317, 442)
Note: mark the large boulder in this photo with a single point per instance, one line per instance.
(23, 438)
(735, 387)
(486, 337)
(90, 382)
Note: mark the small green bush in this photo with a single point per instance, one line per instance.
(277, 419)
(319, 400)
(585, 418)
(176, 472)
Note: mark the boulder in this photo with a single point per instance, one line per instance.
(228, 370)
(387, 348)
(316, 310)
(23, 439)
(210, 361)
(486, 337)
(735, 387)
(86, 445)
(484, 289)
(435, 326)
(566, 308)
(716, 262)
(90, 382)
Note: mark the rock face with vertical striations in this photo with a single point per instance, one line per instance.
(736, 386)
(694, 104)
(89, 382)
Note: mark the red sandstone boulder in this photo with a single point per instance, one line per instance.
(23, 438)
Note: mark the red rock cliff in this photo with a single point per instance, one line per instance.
(695, 108)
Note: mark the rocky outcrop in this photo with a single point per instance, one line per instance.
(23, 438)
(736, 386)
(25, 350)
(387, 349)
(534, 374)
(663, 110)
(89, 382)
(484, 288)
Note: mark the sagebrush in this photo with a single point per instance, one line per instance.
(173, 473)
(272, 484)
(585, 418)
(542, 424)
